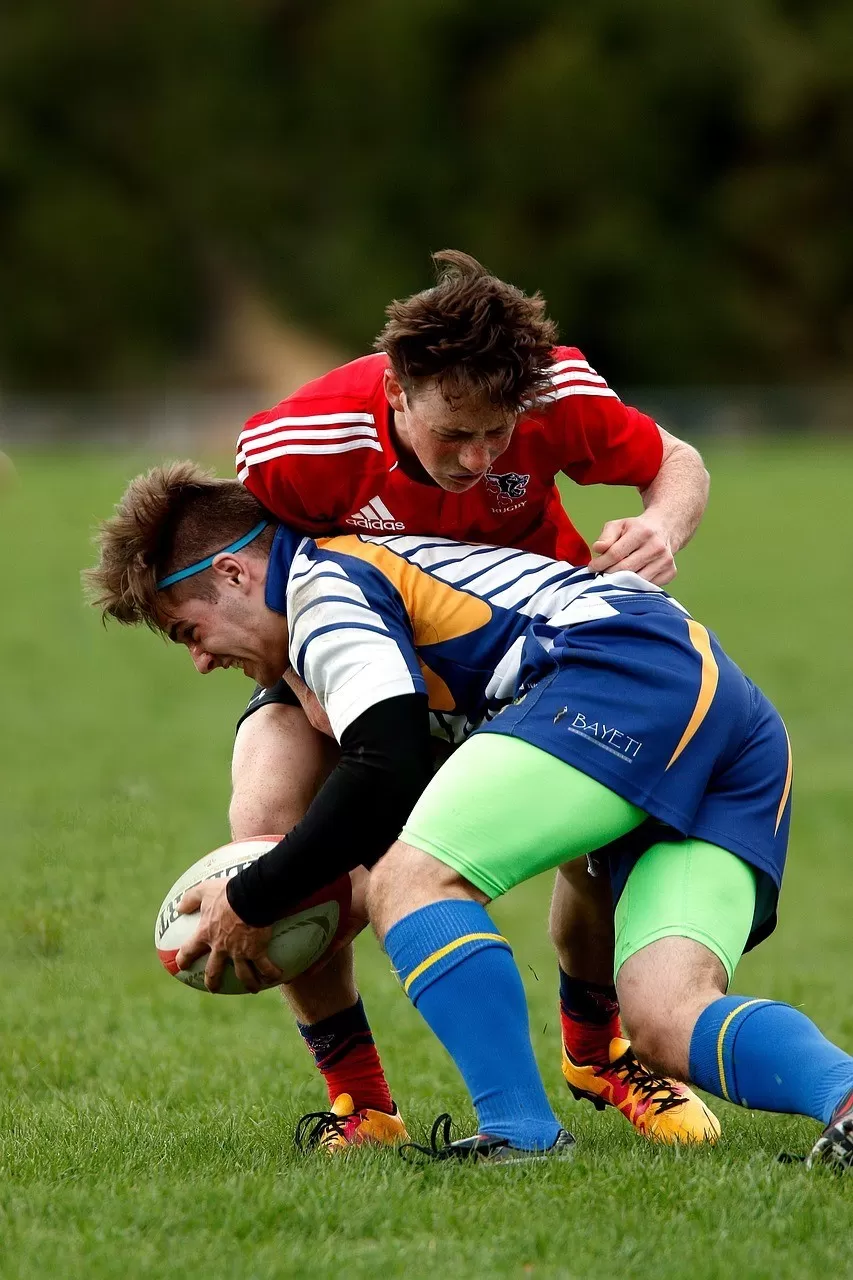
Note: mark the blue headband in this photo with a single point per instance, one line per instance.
(201, 565)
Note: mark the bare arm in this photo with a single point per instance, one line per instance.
(673, 505)
(678, 495)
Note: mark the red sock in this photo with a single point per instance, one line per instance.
(589, 1015)
(344, 1053)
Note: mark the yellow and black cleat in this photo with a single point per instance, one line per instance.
(342, 1127)
(661, 1109)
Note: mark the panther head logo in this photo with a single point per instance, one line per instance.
(509, 486)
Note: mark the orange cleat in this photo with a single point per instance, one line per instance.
(342, 1127)
(662, 1110)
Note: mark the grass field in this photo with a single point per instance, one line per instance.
(145, 1130)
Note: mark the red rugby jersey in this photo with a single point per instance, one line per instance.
(324, 460)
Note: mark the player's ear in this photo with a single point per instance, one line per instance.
(232, 569)
(394, 393)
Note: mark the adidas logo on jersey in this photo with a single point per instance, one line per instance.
(375, 515)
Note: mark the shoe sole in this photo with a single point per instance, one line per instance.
(564, 1149)
(533, 1158)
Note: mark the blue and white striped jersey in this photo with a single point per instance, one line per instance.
(372, 618)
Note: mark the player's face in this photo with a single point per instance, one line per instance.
(455, 444)
(231, 631)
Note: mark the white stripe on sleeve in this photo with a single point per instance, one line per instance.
(312, 420)
(350, 670)
(284, 437)
(583, 365)
(345, 447)
(578, 379)
(575, 390)
(304, 567)
(315, 587)
(323, 612)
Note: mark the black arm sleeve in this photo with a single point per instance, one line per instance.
(386, 762)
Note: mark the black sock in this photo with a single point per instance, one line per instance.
(587, 1001)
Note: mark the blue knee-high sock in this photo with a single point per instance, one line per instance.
(459, 973)
(768, 1056)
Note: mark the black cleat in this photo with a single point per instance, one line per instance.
(834, 1147)
(484, 1147)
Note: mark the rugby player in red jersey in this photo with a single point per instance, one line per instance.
(458, 426)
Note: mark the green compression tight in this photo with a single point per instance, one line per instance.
(501, 811)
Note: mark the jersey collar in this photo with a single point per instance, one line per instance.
(285, 544)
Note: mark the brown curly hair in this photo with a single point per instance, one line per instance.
(168, 518)
(471, 334)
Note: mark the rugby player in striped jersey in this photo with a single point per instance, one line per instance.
(591, 707)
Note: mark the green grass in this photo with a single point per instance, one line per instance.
(145, 1130)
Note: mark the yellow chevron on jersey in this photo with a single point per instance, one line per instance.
(438, 611)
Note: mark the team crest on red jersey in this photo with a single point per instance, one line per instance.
(508, 487)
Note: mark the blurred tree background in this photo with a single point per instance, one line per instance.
(676, 178)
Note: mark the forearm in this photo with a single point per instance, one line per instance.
(678, 495)
(357, 814)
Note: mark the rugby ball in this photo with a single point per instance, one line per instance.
(299, 940)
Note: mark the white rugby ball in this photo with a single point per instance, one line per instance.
(299, 940)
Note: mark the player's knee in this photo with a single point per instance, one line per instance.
(251, 813)
(651, 1019)
(260, 808)
(653, 1041)
(388, 884)
(279, 763)
(406, 879)
(648, 1009)
(662, 989)
(660, 1034)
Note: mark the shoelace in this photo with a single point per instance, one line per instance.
(441, 1128)
(645, 1081)
(308, 1137)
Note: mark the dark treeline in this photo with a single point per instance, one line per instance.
(676, 177)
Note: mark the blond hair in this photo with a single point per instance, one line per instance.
(168, 518)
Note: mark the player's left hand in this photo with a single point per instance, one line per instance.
(225, 935)
(640, 544)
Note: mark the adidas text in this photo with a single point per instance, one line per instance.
(384, 526)
(375, 515)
